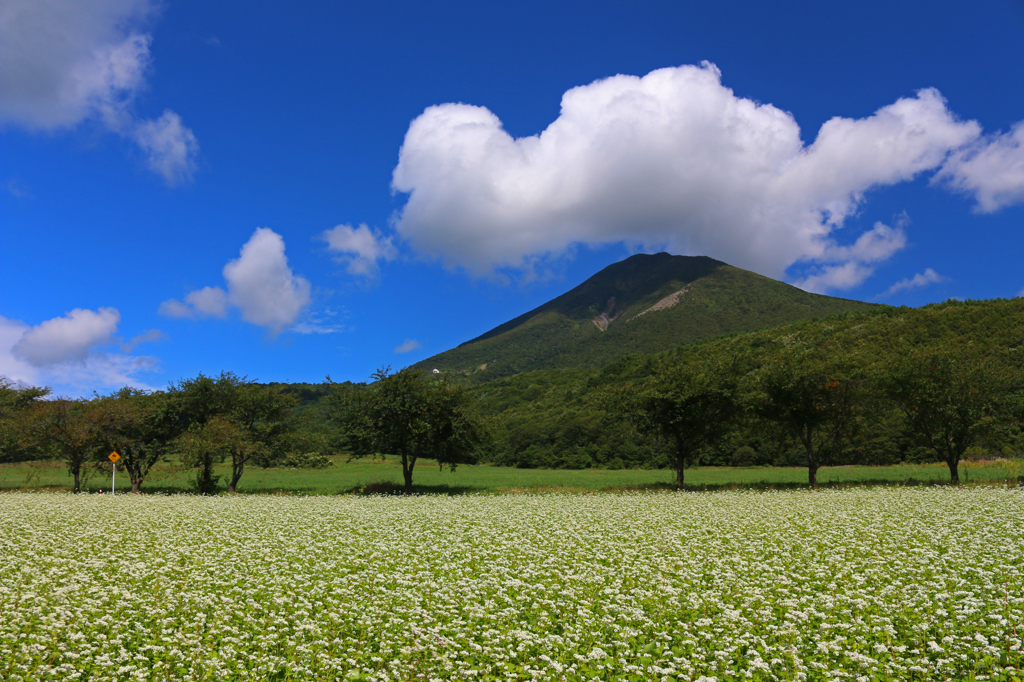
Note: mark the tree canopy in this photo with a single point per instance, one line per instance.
(950, 397)
(139, 425)
(690, 404)
(232, 419)
(411, 415)
(15, 406)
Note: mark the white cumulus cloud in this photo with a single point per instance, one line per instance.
(671, 160)
(63, 62)
(13, 368)
(991, 169)
(260, 284)
(205, 302)
(359, 248)
(921, 279)
(844, 267)
(69, 352)
(68, 338)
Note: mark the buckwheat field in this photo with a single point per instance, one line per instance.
(862, 584)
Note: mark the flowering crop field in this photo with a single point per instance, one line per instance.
(864, 584)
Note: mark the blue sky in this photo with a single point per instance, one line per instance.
(290, 190)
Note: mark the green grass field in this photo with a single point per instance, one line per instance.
(383, 476)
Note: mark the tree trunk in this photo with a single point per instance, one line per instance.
(236, 474)
(135, 476)
(205, 478)
(680, 462)
(954, 472)
(78, 480)
(407, 473)
(812, 468)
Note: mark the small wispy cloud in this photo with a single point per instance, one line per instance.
(323, 321)
(921, 279)
(361, 248)
(169, 146)
(205, 302)
(317, 328)
(150, 336)
(410, 344)
(18, 190)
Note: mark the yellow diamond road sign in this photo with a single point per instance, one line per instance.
(113, 457)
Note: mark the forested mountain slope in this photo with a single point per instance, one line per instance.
(569, 418)
(575, 418)
(644, 304)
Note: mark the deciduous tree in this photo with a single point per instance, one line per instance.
(139, 425)
(407, 414)
(203, 446)
(242, 421)
(950, 397)
(690, 404)
(68, 430)
(814, 394)
(15, 406)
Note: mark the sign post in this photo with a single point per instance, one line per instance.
(113, 457)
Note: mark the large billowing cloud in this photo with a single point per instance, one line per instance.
(63, 62)
(672, 160)
(72, 351)
(260, 283)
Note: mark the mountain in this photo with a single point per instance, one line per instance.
(567, 418)
(646, 303)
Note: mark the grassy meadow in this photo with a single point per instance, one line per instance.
(863, 583)
(366, 475)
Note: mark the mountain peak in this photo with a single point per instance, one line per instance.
(645, 303)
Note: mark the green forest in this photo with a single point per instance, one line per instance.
(880, 386)
(884, 386)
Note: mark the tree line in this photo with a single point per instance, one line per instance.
(200, 422)
(207, 421)
(881, 387)
(892, 385)
(828, 401)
